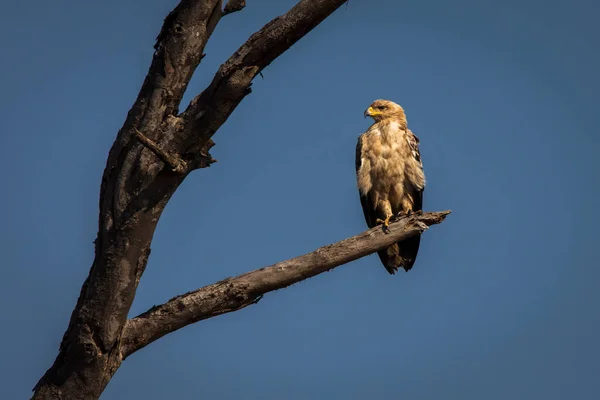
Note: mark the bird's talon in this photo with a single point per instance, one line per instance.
(385, 223)
(407, 213)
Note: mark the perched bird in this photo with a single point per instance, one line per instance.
(390, 178)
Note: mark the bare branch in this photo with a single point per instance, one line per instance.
(176, 163)
(235, 293)
(208, 111)
(233, 6)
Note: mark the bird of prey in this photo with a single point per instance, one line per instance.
(390, 178)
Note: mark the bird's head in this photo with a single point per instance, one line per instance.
(381, 110)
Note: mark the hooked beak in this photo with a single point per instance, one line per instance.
(369, 112)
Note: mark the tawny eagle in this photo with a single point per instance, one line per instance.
(390, 178)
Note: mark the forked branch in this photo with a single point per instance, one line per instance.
(233, 294)
(232, 82)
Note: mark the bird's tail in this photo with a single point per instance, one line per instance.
(400, 255)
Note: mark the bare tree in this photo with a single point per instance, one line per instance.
(154, 151)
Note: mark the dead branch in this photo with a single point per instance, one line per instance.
(232, 82)
(236, 293)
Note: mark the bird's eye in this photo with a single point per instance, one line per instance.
(380, 107)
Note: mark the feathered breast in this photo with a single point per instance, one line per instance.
(387, 155)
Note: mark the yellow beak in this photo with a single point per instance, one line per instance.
(370, 112)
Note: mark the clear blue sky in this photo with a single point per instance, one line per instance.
(503, 300)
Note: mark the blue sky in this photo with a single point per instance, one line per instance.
(502, 302)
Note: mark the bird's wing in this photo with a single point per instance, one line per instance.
(413, 142)
(365, 201)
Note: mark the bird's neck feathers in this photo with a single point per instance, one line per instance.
(398, 119)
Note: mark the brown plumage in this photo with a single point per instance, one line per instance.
(390, 177)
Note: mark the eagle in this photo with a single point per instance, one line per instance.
(390, 178)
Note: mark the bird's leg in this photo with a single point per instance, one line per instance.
(385, 222)
(406, 210)
(386, 209)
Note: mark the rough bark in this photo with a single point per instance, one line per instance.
(137, 183)
(233, 294)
